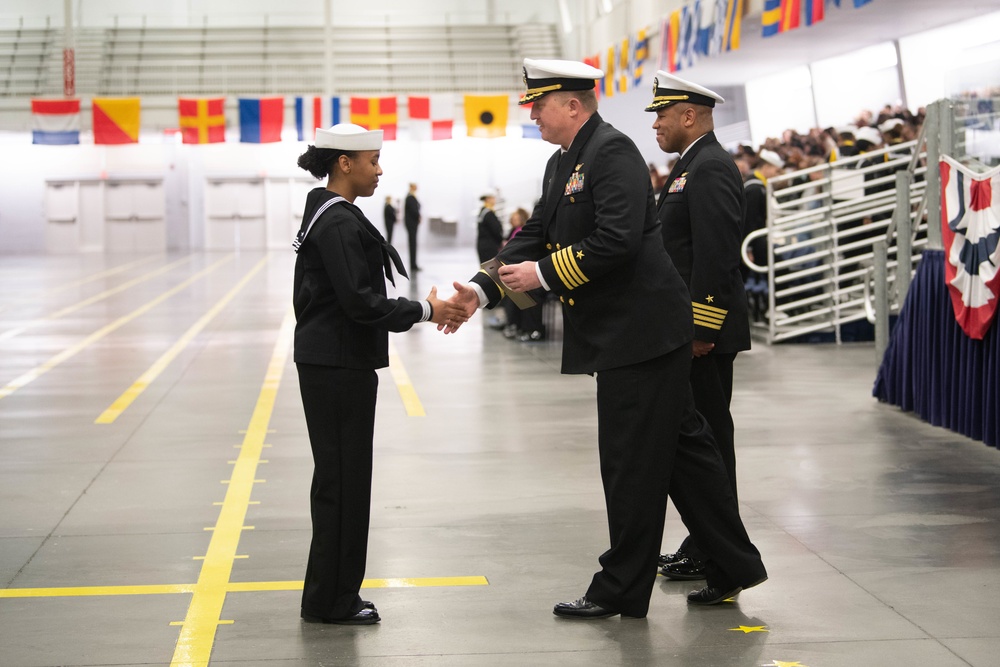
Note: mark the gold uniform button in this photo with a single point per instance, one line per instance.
(548, 246)
(558, 247)
(571, 302)
(562, 299)
(572, 200)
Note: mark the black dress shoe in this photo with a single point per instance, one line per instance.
(367, 616)
(686, 569)
(712, 595)
(667, 559)
(582, 608)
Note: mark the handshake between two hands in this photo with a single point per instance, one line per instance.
(451, 314)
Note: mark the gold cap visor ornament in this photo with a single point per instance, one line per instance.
(542, 77)
(669, 89)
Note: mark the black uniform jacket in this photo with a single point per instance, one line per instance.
(701, 210)
(489, 234)
(597, 242)
(411, 211)
(342, 313)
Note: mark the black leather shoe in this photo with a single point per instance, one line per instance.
(367, 616)
(711, 595)
(582, 608)
(686, 569)
(667, 559)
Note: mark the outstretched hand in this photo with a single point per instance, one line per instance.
(467, 300)
(448, 315)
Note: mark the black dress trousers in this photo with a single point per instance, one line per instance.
(638, 414)
(712, 385)
(339, 406)
(712, 518)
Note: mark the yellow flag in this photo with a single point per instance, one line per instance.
(486, 115)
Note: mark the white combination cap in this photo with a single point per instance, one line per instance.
(846, 129)
(772, 158)
(890, 124)
(542, 77)
(869, 134)
(349, 137)
(669, 89)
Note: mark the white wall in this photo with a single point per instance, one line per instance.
(951, 60)
(451, 176)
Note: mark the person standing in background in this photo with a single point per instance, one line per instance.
(389, 215)
(701, 210)
(411, 218)
(489, 230)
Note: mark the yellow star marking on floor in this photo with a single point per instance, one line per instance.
(128, 397)
(747, 629)
(414, 408)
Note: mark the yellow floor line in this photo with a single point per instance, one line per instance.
(231, 587)
(414, 408)
(87, 591)
(69, 352)
(10, 333)
(97, 276)
(125, 400)
(197, 634)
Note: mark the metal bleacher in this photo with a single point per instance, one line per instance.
(161, 63)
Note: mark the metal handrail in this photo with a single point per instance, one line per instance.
(822, 224)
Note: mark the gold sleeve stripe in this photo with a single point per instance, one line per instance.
(705, 318)
(499, 285)
(566, 268)
(576, 267)
(709, 309)
(708, 324)
(564, 274)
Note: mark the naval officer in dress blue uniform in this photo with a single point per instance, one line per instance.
(701, 210)
(594, 241)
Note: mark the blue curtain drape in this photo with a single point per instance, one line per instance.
(933, 369)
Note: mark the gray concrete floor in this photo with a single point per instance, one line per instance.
(880, 532)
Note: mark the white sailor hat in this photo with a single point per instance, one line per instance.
(846, 129)
(669, 89)
(890, 125)
(869, 134)
(772, 158)
(542, 77)
(349, 137)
